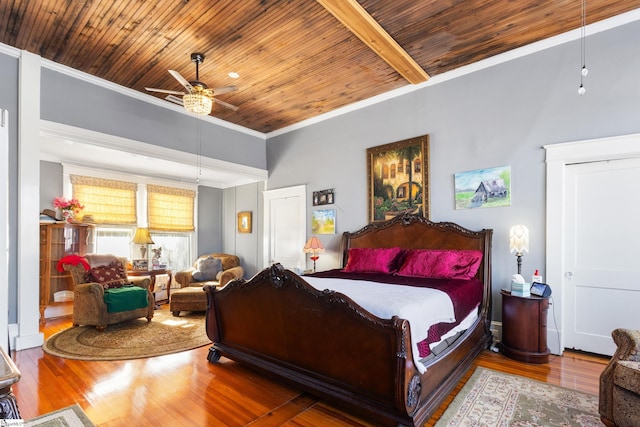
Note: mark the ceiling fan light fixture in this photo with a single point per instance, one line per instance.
(197, 103)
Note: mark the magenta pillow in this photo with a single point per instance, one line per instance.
(109, 276)
(441, 263)
(373, 260)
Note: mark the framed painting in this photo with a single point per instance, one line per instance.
(483, 188)
(324, 197)
(398, 179)
(323, 221)
(244, 222)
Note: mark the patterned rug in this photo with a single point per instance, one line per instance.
(72, 416)
(135, 339)
(493, 398)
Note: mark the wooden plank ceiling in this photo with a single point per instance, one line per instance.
(296, 58)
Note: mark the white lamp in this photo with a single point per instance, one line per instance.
(519, 242)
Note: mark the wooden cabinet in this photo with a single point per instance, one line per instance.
(524, 328)
(56, 241)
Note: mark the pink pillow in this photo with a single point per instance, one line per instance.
(373, 260)
(441, 264)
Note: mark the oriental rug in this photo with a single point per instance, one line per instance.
(493, 398)
(72, 416)
(134, 339)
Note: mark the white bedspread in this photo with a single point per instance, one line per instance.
(422, 307)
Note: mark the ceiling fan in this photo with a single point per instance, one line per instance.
(199, 98)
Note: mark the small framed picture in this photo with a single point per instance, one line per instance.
(140, 264)
(324, 197)
(244, 222)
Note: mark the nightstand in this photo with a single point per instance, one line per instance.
(524, 328)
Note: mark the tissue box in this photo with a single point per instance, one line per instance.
(521, 289)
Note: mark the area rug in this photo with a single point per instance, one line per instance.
(72, 416)
(135, 339)
(493, 398)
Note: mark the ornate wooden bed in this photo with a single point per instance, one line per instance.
(325, 343)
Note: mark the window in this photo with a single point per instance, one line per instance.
(114, 241)
(106, 200)
(170, 209)
(117, 207)
(176, 247)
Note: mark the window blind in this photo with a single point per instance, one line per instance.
(107, 201)
(170, 209)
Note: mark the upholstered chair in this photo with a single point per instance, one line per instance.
(620, 382)
(230, 269)
(89, 305)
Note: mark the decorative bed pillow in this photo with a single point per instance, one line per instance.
(441, 264)
(373, 260)
(207, 269)
(109, 276)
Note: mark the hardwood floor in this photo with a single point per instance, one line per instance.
(184, 389)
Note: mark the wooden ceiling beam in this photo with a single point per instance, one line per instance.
(359, 22)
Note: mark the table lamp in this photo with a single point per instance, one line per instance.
(313, 247)
(142, 237)
(519, 242)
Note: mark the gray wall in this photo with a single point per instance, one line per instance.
(209, 227)
(498, 116)
(64, 101)
(51, 185)
(248, 246)
(9, 101)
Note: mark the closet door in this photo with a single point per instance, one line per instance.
(602, 235)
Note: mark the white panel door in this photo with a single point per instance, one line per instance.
(285, 227)
(602, 252)
(4, 230)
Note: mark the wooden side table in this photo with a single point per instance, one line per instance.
(9, 375)
(152, 275)
(524, 327)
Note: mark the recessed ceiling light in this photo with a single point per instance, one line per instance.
(233, 75)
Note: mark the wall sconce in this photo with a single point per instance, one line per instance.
(313, 247)
(519, 242)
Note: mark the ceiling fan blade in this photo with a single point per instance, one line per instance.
(224, 89)
(182, 80)
(173, 92)
(174, 99)
(225, 104)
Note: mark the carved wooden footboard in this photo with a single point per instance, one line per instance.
(323, 342)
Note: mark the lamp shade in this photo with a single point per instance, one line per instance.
(142, 237)
(197, 103)
(313, 246)
(519, 239)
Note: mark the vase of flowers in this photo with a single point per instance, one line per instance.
(68, 207)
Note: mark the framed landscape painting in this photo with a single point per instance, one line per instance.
(398, 179)
(323, 221)
(483, 188)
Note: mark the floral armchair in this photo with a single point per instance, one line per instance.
(229, 269)
(620, 382)
(91, 298)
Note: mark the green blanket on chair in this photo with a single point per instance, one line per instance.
(126, 298)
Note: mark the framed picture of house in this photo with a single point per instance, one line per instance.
(398, 179)
(483, 188)
(244, 222)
